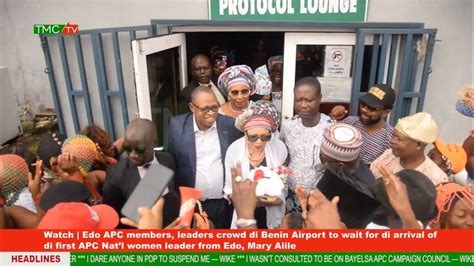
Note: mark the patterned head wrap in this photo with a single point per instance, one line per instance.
(465, 103)
(447, 193)
(274, 60)
(239, 74)
(14, 177)
(263, 114)
(83, 148)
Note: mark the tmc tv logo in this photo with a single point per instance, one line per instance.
(54, 29)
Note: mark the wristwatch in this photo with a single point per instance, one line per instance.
(243, 223)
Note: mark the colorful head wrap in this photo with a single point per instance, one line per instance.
(465, 103)
(14, 177)
(263, 114)
(447, 193)
(263, 85)
(274, 60)
(419, 127)
(239, 74)
(83, 148)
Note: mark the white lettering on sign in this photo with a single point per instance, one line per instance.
(282, 7)
(233, 7)
(223, 4)
(262, 6)
(243, 7)
(353, 6)
(252, 7)
(271, 8)
(344, 6)
(323, 7)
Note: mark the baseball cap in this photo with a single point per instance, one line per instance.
(80, 216)
(378, 95)
(455, 154)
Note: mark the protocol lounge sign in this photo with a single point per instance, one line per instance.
(289, 10)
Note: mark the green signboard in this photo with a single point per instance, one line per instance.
(289, 10)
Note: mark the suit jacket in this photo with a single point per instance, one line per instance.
(122, 178)
(182, 144)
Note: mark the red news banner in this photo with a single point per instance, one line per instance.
(238, 240)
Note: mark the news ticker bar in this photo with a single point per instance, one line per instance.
(217, 258)
(249, 241)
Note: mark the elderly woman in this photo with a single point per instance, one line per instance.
(239, 83)
(258, 148)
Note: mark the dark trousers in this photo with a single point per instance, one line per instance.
(219, 212)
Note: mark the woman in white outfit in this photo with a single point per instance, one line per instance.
(258, 148)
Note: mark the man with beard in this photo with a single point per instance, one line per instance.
(410, 137)
(122, 178)
(374, 107)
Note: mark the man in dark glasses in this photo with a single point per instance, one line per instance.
(374, 108)
(199, 141)
(122, 178)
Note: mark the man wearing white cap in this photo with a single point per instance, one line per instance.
(410, 137)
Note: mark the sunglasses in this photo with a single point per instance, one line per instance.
(254, 138)
(244, 92)
(139, 150)
(207, 109)
(372, 109)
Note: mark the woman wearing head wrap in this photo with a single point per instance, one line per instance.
(258, 148)
(238, 82)
(13, 177)
(76, 160)
(455, 205)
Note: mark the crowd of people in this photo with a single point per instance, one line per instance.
(253, 168)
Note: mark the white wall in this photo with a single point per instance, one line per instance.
(452, 60)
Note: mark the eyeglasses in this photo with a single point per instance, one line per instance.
(207, 109)
(372, 109)
(139, 150)
(254, 138)
(244, 92)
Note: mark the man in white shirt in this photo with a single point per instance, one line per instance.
(199, 141)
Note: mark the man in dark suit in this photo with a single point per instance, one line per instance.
(122, 178)
(201, 70)
(199, 141)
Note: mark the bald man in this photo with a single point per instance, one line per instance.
(201, 70)
(122, 178)
(199, 141)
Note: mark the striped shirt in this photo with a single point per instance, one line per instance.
(373, 144)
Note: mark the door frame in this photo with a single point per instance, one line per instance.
(143, 47)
